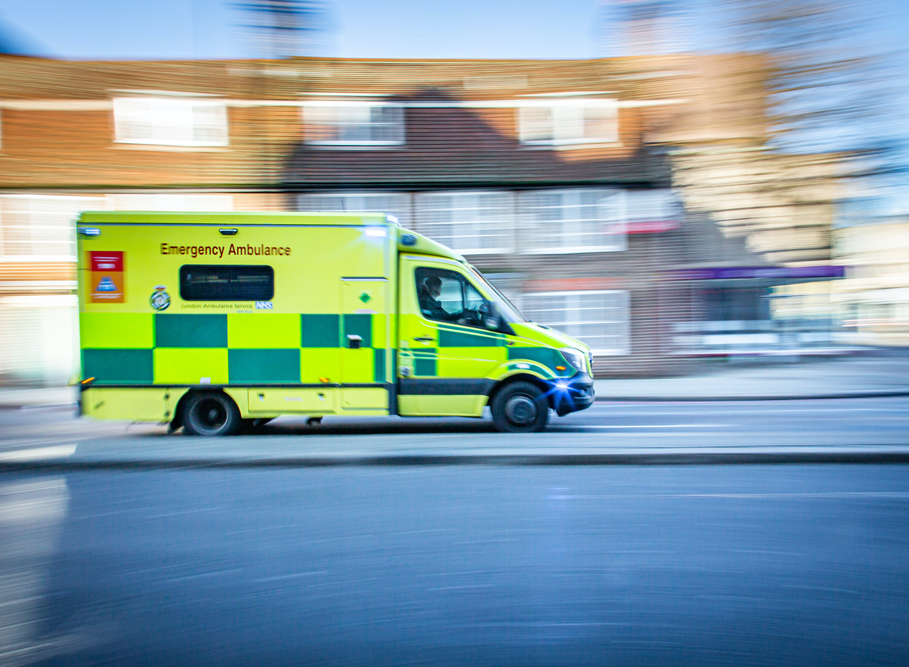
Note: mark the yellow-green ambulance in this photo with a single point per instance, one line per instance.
(215, 321)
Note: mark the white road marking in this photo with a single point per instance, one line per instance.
(744, 406)
(205, 575)
(461, 588)
(290, 576)
(194, 511)
(37, 454)
(577, 426)
(827, 494)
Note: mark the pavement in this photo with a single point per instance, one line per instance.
(882, 372)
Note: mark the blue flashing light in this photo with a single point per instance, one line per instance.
(89, 231)
(376, 232)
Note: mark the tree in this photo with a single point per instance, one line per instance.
(828, 89)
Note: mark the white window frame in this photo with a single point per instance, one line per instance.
(623, 323)
(403, 214)
(653, 206)
(568, 122)
(611, 208)
(330, 113)
(191, 122)
(424, 205)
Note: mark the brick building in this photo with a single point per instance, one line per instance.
(553, 177)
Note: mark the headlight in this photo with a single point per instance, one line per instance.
(575, 358)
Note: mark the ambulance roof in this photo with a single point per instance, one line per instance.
(233, 217)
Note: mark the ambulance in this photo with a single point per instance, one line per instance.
(219, 322)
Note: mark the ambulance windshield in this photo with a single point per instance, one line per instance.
(507, 310)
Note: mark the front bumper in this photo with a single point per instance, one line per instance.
(571, 394)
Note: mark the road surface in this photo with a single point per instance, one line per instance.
(457, 565)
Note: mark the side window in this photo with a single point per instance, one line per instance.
(472, 297)
(446, 296)
(208, 282)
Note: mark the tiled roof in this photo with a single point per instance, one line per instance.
(459, 146)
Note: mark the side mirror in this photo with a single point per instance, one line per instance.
(492, 317)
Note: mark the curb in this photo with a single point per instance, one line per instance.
(519, 460)
(762, 397)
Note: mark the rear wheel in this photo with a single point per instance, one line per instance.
(520, 407)
(211, 414)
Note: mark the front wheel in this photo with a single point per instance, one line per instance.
(520, 407)
(211, 414)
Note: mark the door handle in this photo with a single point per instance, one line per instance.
(425, 339)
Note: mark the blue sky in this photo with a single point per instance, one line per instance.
(167, 29)
(363, 28)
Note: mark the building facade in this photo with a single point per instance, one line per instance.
(559, 180)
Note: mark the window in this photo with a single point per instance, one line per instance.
(205, 282)
(170, 121)
(446, 296)
(599, 318)
(469, 222)
(40, 227)
(39, 339)
(393, 203)
(652, 211)
(582, 220)
(354, 124)
(569, 122)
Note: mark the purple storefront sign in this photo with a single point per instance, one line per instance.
(765, 272)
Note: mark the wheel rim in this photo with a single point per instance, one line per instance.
(521, 410)
(211, 415)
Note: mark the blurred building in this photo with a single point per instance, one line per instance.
(643, 27)
(874, 298)
(629, 202)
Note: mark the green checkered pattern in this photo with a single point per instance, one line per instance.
(233, 348)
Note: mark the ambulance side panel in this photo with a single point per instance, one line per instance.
(319, 344)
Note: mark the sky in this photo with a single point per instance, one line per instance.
(176, 29)
(208, 29)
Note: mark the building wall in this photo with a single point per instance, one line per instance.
(874, 299)
(299, 133)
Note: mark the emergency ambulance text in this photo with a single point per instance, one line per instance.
(219, 250)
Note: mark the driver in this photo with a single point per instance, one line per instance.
(430, 291)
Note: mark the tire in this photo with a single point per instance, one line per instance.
(211, 414)
(520, 407)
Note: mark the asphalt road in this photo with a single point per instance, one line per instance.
(857, 426)
(457, 565)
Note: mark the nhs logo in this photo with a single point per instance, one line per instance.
(264, 305)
